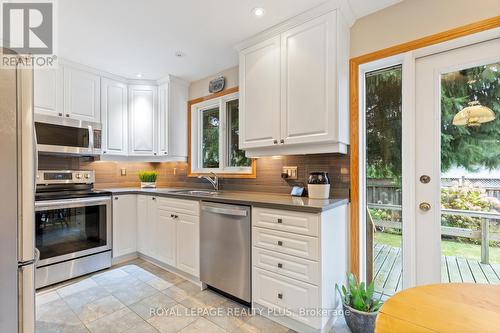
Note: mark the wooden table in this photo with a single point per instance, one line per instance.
(451, 307)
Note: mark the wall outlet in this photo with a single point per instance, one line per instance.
(290, 172)
(123, 171)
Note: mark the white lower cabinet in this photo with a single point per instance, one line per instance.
(297, 259)
(169, 233)
(124, 225)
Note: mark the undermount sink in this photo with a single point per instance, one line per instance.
(195, 192)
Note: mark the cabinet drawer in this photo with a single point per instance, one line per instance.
(296, 222)
(275, 291)
(190, 207)
(301, 246)
(294, 267)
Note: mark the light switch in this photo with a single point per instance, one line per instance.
(123, 171)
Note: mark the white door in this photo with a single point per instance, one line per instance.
(308, 89)
(260, 94)
(48, 92)
(142, 120)
(166, 237)
(82, 91)
(188, 245)
(163, 117)
(146, 224)
(124, 225)
(114, 117)
(450, 81)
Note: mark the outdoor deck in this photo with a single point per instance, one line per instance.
(387, 270)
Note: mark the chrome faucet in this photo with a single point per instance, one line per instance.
(215, 181)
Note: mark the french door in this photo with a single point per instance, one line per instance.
(431, 166)
(457, 165)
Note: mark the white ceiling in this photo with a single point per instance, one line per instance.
(126, 37)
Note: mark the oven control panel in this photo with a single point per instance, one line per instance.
(65, 177)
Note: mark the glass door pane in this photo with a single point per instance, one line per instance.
(383, 101)
(470, 175)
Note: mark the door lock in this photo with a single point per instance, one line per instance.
(424, 179)
(425, 206)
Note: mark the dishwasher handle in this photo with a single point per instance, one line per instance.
(225, 211)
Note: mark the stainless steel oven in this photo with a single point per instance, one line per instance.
(57, 135)
(72, 226)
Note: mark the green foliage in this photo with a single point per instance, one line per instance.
(470, 147)
(358, 296)
(237, 157)
(148, 176)
(466, 197)
(210, 138)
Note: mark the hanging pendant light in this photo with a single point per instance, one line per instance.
(474, 115)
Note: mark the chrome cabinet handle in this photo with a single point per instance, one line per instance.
(67, 115)
(275, 142)
(280, 295)
(424, 206)
(280, 243)
(282, 141)
(280, 220)
(116, 198)
(153, 198)
(60, 114)
(280, 265)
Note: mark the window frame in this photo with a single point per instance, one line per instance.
(195, 110)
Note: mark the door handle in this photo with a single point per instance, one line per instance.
(424, 206)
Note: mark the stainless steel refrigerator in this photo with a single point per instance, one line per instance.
(17, 200)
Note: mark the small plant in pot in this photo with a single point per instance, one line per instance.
(148, 178)
(360, 308)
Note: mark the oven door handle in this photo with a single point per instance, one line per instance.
(68, 203)
(91, 138)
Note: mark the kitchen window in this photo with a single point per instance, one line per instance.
(214, 138)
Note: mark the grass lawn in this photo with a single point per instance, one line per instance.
(448, 248)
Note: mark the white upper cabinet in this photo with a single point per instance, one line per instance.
(143, 118)
(48, 92)
(260, 94)
(82, 92)
(177, 118)
(292, 88)
(114, 117)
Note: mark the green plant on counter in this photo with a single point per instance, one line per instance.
(148, 176)
(357, 296)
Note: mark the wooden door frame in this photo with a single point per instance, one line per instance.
(354, 63)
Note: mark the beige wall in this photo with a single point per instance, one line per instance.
(412, 19)
(200, 88)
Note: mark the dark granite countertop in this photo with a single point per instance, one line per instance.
(257, 199)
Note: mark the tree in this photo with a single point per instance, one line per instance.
(470, 147)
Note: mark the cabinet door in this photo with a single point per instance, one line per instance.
(124, 225)
(163, 117)
(114, 117)
(260, 94)
(146, 225)
(142, 120)
(48, 92)
(308, 88)
(82, 92)
(166, 237)
(188, 245)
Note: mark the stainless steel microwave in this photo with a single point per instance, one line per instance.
(56, 135)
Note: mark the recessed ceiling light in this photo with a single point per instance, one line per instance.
(138, 75)
(258, 11)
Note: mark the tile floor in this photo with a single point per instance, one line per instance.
(139, 297)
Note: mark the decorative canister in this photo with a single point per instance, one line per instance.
(318, 185)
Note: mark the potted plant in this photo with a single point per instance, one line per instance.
(148, 178)
(360, 308)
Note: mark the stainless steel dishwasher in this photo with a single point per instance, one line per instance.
(225, 249)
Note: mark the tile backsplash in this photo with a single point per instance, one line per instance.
(174, 174)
